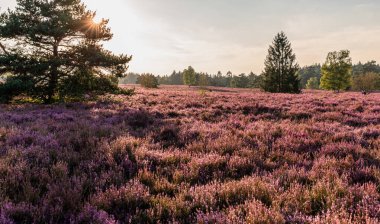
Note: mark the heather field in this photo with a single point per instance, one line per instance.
(180, 155)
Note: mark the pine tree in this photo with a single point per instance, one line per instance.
(280, 73)
(56, 47)
(337, 71)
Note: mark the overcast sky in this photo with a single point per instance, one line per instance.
(234, 35)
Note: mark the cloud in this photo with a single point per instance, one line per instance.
(214, 35)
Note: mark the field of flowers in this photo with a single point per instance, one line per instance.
(179, 155)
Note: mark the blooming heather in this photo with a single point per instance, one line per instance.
(175, 155)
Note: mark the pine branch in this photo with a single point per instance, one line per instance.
(3, 48)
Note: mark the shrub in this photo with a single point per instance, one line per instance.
(148, 81)
(256, 213)
(126, 203)
(109, 162)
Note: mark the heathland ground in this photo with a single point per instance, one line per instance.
(179, 154)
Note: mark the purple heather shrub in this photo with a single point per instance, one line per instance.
(212, 217)
(126, 204)
(16, 213)
(92, 215)
(28, 139)
(173, 155)
(254, 212)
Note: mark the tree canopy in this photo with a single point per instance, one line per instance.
(368, 67)
(313, 83)
(148, 81)
(56, 47)
(189, 76)
(308, 72)
(280, 73)
(337, 71)
(366, 82)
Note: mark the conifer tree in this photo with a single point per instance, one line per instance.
(56, 47)
(280, 73)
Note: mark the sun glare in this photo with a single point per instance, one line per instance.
(97, 20)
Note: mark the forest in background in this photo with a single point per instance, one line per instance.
(365, 76)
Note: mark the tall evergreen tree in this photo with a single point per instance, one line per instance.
(56, 47)
(280, 73)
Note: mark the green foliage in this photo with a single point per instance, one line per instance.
(280, 73)
(370, 66)
(313, 83)
(14, 86)
(50, 43)
(189, 76)
(233, 82)
(176, 78)
(241, 81)
(203, 80)
(254, 81)
(84, 82)
(125, 92)
(368, 82)
(337, 71)
(148, 81)
(219, 80)
(308, 72)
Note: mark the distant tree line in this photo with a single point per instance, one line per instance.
(364, 76)
(52, 51)
(281, 74)
(243, 80)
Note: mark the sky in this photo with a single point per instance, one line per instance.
(234, 35)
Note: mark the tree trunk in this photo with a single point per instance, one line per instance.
(53, 82)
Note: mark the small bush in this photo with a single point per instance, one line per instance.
(148, 81)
